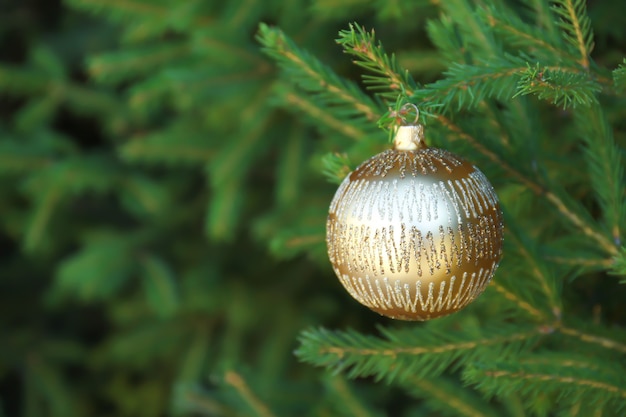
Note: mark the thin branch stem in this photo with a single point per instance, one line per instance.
(591, 263)
(597, 340)
(580, 223)
(299, 241)
(325, 118)
(589, 383)
(541, 44)
(349, 400)
(369, 112)
(539, 274)
(365, 50)
(421, 350)
(236, 381)
(143, 9)
(453, 401)
(580, 39)
(520, 303)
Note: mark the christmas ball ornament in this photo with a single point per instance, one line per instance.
(415, 232)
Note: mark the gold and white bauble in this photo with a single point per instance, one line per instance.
(415, 232)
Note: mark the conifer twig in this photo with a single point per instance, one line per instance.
(435, 391)
(314, 76)
(236, 381)
(322, 115)
(566, 363)
(538, 272)
(495, 21)
(582, 382)
(590, 338)
(371, 56)
(305, 240)
(425, 350)
(536, 188)
(144, 9)
(580, 38)
(204, 404)
(48, 202)
(591, 263)
(356, 408)
(231, 49)
(113, 64)
(576, 27)
(520, 303)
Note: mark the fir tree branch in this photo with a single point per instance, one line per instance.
(15, 158)
(469, 85)
(565, 363)
(371, 55)
(619, 77)
(237, 382)
(589, 263)
(618, 264)
(47, 202)
(394, 351)
(473, 32)
(80, 99)
(539, 271)
(224, 208)
(590, 338)
(304, 241)
(223, 47)
(353, 405)
(447, 397)
(168, 146)
(129, 9)
(290, 170)
(120, 66)
(561, 86)
(336, 166)
(320, 114)
(334, 9)
(49, 188)
(546, 377)
(422, 353)
(22, 82)
(577, 27)
(239, 152)
(443, 32)
(518, 32)
(569, 214)
(604, 164)
(544, 16)
(541, 317)
(575, 219)
(195, 401)
(316, 78)
(563, 381)
(125, 7)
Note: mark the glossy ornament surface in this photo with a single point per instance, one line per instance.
(415, 232)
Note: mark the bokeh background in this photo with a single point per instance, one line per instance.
(163, 204)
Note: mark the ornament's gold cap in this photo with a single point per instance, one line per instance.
(409, 138)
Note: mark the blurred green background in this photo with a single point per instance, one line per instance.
(163, 205)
